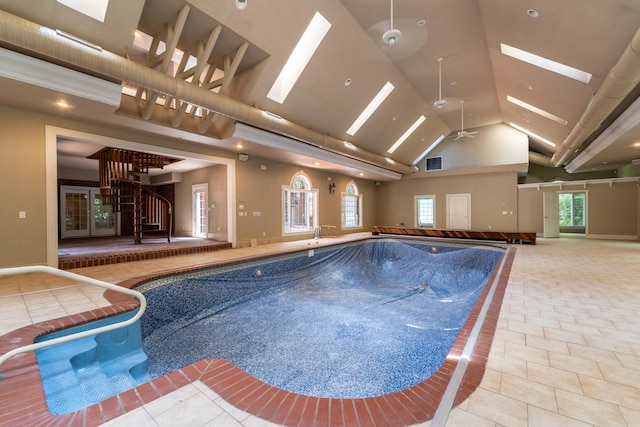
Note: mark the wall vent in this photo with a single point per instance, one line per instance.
(433, 163)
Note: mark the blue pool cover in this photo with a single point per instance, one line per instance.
(358, 321)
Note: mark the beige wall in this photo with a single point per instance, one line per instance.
(260, 191)
(216, 179)
(22, 189)
(612, 209)
(491, 195)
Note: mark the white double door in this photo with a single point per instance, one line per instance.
(82, 213)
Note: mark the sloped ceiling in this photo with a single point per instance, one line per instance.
(590, 35)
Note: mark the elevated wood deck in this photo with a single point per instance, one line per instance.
(509, 237)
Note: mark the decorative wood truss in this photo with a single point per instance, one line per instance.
(203, 74)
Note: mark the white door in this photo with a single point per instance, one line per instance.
(200, 209)
(458, 211)
(551, 215)
(82, 213)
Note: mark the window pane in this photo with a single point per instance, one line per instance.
(425, 206)
(578, 209)
(565, 209)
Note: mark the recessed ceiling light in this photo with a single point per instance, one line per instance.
(637, 144)
(349, 145)
(373, 106)
(533, 13)
(529, 87)
(422, 23)
(547, 64)
(347, 82)
(239, 145)
(300, 57)
(406, 135)
(453, 84)
(537, 110)
(63, 104)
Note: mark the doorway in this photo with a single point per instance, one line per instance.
(565, 212)
(82, 214)
(200, 210)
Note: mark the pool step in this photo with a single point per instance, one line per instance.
(82, 372)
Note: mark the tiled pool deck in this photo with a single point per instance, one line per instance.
(566, 352)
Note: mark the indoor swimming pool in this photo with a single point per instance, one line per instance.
(352, 321)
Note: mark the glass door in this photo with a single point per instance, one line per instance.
(200, 210)
(83, 215)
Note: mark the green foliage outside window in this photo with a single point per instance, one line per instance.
(572, 209)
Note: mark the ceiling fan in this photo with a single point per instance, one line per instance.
(463, 133)
(440, 103)
(392, 36)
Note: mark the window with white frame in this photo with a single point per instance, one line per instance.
(351, 206)
(425, 211)
(300, 205)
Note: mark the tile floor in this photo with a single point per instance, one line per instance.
(566, 350)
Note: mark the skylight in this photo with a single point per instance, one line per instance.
(406, 135)
(431, 147)
(373, 106)
(547, 64)
(537, 110)
(531, 134)
(96, 9)
(300, 57)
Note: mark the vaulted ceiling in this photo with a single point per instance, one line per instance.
(250, 46)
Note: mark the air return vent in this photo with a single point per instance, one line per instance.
(433, 163)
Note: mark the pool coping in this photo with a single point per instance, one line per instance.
(23, 402)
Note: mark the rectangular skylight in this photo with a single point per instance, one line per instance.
(531, 134)
(300, 57)
(431, 147)
(406, 135)
(96, 9)
(537, 110)
(373, 106)
(547, 64)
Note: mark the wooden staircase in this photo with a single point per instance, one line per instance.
(121, 186)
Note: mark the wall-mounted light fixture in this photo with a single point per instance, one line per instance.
(332, 188)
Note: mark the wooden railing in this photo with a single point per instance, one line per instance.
(121, 187)
(157, 216)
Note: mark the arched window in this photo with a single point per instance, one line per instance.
(351, 206)
(300, 205)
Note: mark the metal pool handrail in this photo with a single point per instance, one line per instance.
(85, 280)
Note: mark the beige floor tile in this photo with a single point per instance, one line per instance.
(459, 418)
(551, 345)
(597, 354)
(497, 408)
(560, 335)
(553, 377)
(138, 418)
(491, 380)
(524, 352)
(575, 364)
(509, 365)
(539, 417)
(631, 416)
(612, 371)
(525, 328)
(619, 394)
(589, 410)
(530, 392)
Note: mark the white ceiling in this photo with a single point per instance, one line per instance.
(591, 35)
